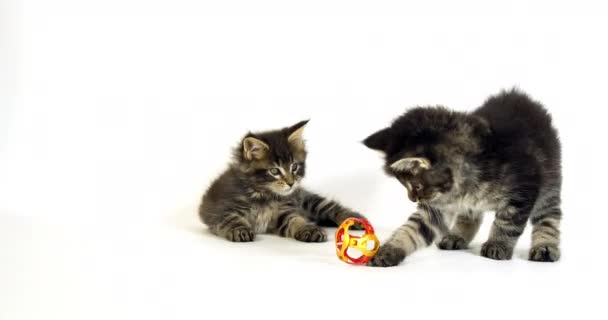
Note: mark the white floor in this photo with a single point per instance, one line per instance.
(118, 113)
(174, 269)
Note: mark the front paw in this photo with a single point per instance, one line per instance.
(356, 225)
(452, 242)
(544, 253)
(387, 256)
(311, 233)
(240, 234)
(496, 250)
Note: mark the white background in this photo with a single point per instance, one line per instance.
(116, 115)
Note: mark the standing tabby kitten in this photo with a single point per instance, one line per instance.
(260, 193)
(503, 157)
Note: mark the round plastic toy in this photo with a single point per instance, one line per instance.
(345, 241)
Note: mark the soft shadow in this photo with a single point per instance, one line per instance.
(186, 218)
(518, 253)
(521, 253)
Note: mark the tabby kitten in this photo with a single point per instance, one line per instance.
(504, 157)
(260, 192)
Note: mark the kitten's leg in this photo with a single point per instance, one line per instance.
(227, 219)
(508, 226)
(420, 230)
(232, 226)
(463, 232)
(545, 221)
(327, 212)
(291, 223)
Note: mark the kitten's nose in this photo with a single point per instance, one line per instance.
(289, 180)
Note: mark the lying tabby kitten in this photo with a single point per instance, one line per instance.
(260, 192)
(503, 157)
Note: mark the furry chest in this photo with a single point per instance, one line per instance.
(262, 216)
(471, 204)
(485, 198)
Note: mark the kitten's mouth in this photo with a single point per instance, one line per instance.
(424, 200)
(286, 192)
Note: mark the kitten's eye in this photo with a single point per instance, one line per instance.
(295, 167)
(274, 171)
(418, 187)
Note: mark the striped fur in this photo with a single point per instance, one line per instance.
(326, 212)
(260, 193)
(300, 216)
(504, 157)
(421, 230)
(545, 218)
(462, 233)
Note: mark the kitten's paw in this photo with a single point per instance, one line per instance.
(387, 256)
(241, 234)
(356, 226)
(496, 251)
(311, 233)
(544, 253)
(452, 242)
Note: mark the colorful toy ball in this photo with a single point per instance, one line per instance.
(345, 241)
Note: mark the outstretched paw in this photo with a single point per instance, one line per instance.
(544, 253)
(311, 233)
(452, 242)
(387, 256)
(356, 225)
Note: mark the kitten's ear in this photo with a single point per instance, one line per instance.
(295, 134)
(412, 164)
(254, 148)
(379, 140)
